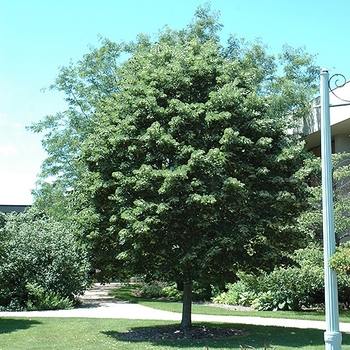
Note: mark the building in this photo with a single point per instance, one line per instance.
(339, 100)
(340, 122)
(13, 208)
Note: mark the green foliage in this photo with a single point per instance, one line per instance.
(237, 293)
(291, 288)
(152, 290)
(311, 221)
(39, 299)
(2, 219)
(285, 288)
(171, 291)
(340, 260)
(176, 162)
(195, 173)
(41, 263)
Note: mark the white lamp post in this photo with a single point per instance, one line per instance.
(332, 336)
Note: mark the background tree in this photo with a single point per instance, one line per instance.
(311, 221)
(184, 161)
(277, 289)
(63, 171)
(42, 266)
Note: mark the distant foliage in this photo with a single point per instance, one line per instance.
(41, 265)
(310, 221)
(171, 291)
(152, 290)
(340, 261)
(39, 299)
(238, 293)
(288, 288)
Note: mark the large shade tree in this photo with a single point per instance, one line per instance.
(181, 156)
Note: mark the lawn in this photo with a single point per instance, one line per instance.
(88, 334)
(125, 293)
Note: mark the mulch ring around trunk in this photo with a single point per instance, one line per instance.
(175, 332)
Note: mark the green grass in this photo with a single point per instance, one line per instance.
(125, 293)
(89, 334)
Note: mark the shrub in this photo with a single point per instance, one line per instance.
(340, 261)
(172, 291)
(289, 289)
(236, 294)
(39, 258)
(152, 290)
(285, 288)
(39, 299)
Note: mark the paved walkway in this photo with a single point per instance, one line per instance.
(97, 304)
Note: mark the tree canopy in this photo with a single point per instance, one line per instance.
(177, 156)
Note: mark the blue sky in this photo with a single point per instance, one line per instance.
(38, 36)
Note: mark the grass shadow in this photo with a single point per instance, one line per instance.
(255, 336)
(9, 325)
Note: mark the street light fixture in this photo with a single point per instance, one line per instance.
(332, 336)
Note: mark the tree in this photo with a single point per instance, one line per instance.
(311, 221)
(41, 263)
(189, 168)
(63, 171)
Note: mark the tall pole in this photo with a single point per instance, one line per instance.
(332, 336)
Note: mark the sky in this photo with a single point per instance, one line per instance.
(39, 36)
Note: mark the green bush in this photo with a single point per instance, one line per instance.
(37, 252)
(39, 299)
(340, 261)
(172, 291)
(287, 288)
(152, 290)
(236, 294)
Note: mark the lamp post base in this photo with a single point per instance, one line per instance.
(332, 340)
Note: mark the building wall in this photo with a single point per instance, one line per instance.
(13, 208)
(339, 118)
(340, 131)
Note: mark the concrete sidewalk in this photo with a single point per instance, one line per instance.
(97, 304)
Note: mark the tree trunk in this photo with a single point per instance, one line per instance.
(186, 321)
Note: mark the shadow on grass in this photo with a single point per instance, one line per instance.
(255, 336)
(9, 325)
